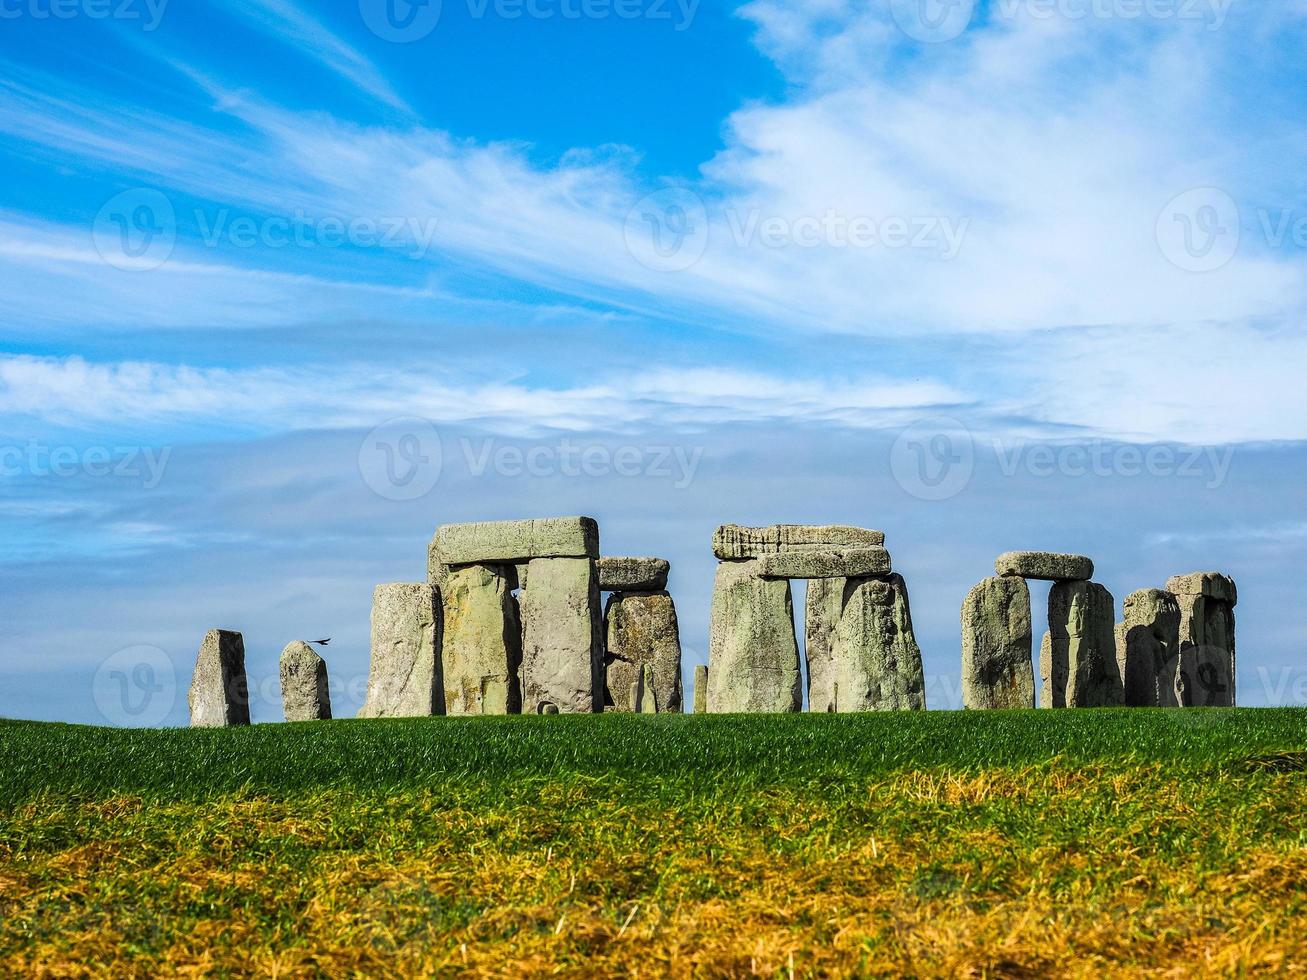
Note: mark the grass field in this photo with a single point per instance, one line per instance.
(1083, 843)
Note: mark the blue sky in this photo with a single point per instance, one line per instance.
(286, 287)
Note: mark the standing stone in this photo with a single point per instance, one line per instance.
(562, 650)
(219, 696)
(822, 612)
(642, 631)
(877, 660)
(404, 678)
(700, 689)
(481, 646)
(1148, 649)
(643, 695)
(996, 645)
(753, 654)
(1081, 648)
(305, 694)
(1207, 653)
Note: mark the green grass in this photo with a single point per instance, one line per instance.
(684, 751)
(998, 844)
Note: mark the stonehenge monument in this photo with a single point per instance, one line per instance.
(1148, 650)
(1207, 659)
(219, 696)
(861, 652)
(510, 623)
(305, 694)
(1174, 647)
(404, 679)
(642, 637)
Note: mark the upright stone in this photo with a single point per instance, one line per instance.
(642, 631)
(1148, 649)
(821, 615)
(404, 678)
(1082, 647)
(481, 649)
(219, 696)
(562, 652)
(305, 693)
(996, 645)
(646, 699)
(753, 654)
(1207, 651)
(877, 660)
(700, 689)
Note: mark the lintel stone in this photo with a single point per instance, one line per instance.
(1045, 565)
(731, 541)
(826, 563)
(1213, 585)
(633, 574)
(511, 542)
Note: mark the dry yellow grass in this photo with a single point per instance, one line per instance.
(1083, 871)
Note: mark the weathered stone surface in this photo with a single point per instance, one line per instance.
(404, 677)
(510, 542)
(877, 660)
(996, 645)
(481, 649)
(822, 612)
(731, 541)
(645, 694)
(1045, 565)
(825, 563)
(633, 574)
(305, 694)
(1148, 649)
(1213, 585)
(1207, 650)
(219, 696)
(641, 631)
(562, 647)
(1081, 648)
(1052, 690)
(753, 654)
(700, 689)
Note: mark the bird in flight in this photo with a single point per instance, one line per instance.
(321, 643)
